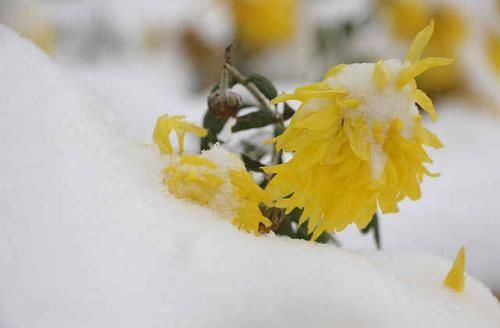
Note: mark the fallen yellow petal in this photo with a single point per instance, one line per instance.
(456, 277)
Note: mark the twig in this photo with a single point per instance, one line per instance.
(243, 80)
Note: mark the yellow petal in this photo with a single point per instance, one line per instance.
(356, 135)
(428, 138)
(313, 86)
(307, 94)
(196, 130)
(381, 75)
(334, 71)
(426, 103)
(409, 73)
(456, 277)
(378, 132)
(419, 43)
(283, 97)
(348, 103)
(198, 161)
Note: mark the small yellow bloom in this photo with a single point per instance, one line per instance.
(262, 23)
(166, 124)
(217, 179)
(357, 142)
(456, 277)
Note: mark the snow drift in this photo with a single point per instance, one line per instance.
(89, 237)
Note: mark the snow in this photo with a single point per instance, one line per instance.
(89, 237)
(377, 106)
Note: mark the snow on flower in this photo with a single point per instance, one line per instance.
(216, 178)
(357, 142)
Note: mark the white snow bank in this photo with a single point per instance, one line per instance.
(90, 238)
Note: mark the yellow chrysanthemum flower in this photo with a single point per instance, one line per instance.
(217, 179)
(407, 17)
(357, 142)
(455, 279)
(263, 23)
(166, 124)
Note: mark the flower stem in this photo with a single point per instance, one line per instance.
(243, 80)
(262, 100)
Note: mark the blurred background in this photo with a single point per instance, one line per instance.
(150, 57)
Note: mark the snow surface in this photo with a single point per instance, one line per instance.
(90, 238)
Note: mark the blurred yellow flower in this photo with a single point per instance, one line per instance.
(456, 277)
(263, 23)
(37, 27)
(407, 17)
(166, 124)
(493, 51)
(357, 142)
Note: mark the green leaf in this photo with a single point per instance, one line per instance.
(288, 112)
(251, 164)
(214, 125)
(327, 238)
(264, 85)
(257, 119)
(374, 226)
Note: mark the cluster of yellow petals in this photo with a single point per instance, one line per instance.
(193, 177)
(330, 175)
(250, 196)
(263, 23)
(164, 127)
(409, 16)
(196, 178)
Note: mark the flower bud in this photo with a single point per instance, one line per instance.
(224, 103)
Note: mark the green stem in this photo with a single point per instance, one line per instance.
(243, 80)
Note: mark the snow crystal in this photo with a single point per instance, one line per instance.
(90, 238)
